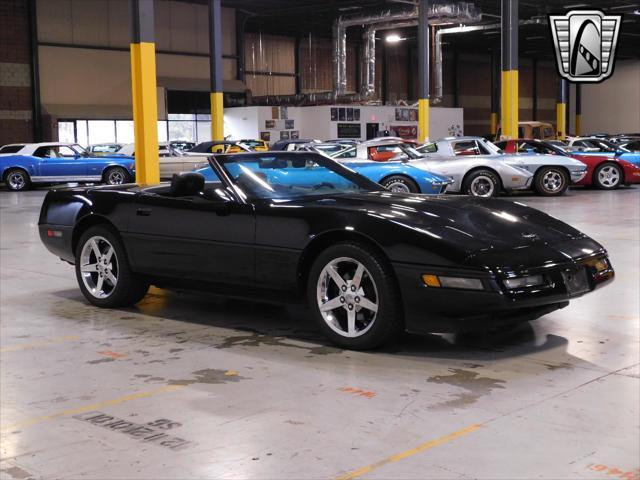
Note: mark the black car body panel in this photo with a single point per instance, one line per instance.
(268, 246)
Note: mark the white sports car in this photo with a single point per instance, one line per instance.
(552, 174)
(171, 159)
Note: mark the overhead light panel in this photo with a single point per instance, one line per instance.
(393, 38)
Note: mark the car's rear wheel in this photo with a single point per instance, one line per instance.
(400, 184)
(551, 181)
(17, 179)
(103, 272)
(607, 176)
(116, 176)
(481, 183)
(354, 297)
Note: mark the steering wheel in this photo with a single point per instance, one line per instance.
(323, 184)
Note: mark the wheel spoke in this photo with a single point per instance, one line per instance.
(99, 284)
(368, 304)
(91, 267)
(112, 279)
(351, 322)
(96, 250)
(357, 277)
(109, 254)
(335, 276)
(331, 304)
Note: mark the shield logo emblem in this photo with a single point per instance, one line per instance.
(585, 44)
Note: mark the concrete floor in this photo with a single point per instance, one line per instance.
(191, 386)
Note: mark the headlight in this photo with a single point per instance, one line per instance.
(437, 281)
(520, 282)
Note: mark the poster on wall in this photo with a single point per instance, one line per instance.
(334, 114)
(413, 115)
(404, 131)
(342, 114)
(284, 113)
(295, 134)
(356, 114)
(275, 113)
(284, 135)
(269, 124)
(266, 136)
(349, 130)
(288, 124)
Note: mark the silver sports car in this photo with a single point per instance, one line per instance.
(480, 168)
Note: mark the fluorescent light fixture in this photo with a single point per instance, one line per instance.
(576, 5)
(393, 38)
(622, 7)
(535, 37)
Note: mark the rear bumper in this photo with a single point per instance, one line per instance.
(58, 239)
(448, 310)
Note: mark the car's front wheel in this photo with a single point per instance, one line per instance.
(116, 176)
(400, 184)
(17, 179)
(607, 176)
(354, 297)
(103, 272)
(551, 181)
(482, 183)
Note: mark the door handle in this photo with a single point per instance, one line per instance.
(143, 212)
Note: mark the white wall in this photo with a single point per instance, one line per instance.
(315, 122)
(613, 106)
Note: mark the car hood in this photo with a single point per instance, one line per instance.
(477, 232)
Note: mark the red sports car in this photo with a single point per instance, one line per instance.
(602, 172)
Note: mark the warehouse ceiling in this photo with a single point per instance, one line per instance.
(304, 17)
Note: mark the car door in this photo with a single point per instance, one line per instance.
(61, 161)
(203, 238)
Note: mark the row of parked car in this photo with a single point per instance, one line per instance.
(471, 165)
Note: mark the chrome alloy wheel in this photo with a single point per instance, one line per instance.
(347, 297)
(482, 186)
(609, 176)
(398, 187)
(552, 181)
(115, 177)
(99, 267)
(16, 180)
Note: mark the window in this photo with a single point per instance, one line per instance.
(536, 132)
(468, 147)
(548, 132)
(521, 132)
(428, 148)
(11, 148)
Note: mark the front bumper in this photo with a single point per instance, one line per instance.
(446, 310)
(578, 175)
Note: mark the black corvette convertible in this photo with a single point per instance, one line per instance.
(288, 224)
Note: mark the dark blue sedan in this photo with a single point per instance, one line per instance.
(25, 164)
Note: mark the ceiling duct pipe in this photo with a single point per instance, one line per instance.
(437, 97)
(439, 13)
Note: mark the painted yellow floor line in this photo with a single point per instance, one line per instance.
(43, 343)
(28, 422)
(408, 453)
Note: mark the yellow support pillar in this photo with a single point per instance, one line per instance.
(143, 89)
(493, 123)
(215, 70)
(578, 109)
(509, 84)
(509, 106)
(423, 120)
(561, 109)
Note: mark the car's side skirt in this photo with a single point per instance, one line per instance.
(60, 178)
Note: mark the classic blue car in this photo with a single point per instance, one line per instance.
(22, 165)
(396, 176)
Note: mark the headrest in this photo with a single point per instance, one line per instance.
(186, 184)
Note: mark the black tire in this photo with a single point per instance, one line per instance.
(608, 176)
(17, 179)
(400, 184)
(116, 176)
(482, 183)
(128, 290)
(551, 181)
(378, 286)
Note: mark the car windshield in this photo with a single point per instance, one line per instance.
(78, 149)
(291, 175)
